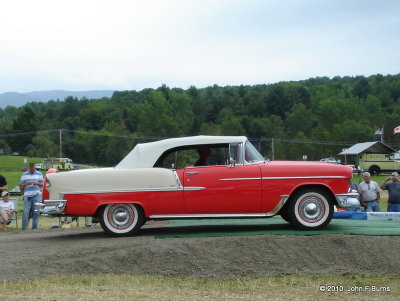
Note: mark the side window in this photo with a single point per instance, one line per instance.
(211, 155)
(252, 155)
(179, 159)
(196, 155)
(219, 155)
(235, 153)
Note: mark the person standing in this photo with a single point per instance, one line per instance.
(3, 184)
(30, 184)
(394, 192)
(369, 194)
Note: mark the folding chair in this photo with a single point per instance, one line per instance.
(14, 216)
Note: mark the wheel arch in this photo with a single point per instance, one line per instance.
(313, 186)
(102, 205)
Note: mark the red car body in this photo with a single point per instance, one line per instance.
(246, 185)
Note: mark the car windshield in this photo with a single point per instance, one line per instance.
(251, 153)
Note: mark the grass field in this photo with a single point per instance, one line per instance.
(152, 287)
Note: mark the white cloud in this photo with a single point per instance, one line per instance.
(123, 44)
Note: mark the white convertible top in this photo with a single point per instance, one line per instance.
(145, 155)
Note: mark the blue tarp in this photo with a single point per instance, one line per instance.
(367, 215)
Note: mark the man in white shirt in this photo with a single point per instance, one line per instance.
(31, 184)
(370, 194)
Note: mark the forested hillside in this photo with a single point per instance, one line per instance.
(317, 117)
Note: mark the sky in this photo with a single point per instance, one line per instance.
(133, 45)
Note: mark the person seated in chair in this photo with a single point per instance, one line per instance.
(204, 154)
(6, 209)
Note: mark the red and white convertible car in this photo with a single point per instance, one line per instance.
(167, 180)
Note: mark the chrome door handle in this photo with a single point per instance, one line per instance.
(189, 173)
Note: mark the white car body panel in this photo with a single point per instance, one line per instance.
(102, 180)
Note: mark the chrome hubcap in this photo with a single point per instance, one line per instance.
(121, 216)
(311, 209)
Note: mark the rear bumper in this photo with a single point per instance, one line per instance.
(51, 207)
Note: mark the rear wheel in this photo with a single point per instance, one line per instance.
(310, 209)
(121, 219)
(374, 170)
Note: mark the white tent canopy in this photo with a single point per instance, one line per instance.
(374, 147)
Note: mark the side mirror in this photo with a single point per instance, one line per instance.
(232, 163)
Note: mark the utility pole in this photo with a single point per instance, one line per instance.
(273, 149)
(60, 130)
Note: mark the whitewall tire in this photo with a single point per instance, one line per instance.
(121, 219)
(310, 209)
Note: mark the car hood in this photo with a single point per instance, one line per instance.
(307, 168)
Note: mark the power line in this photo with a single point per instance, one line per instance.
(25, 133)
(125, 136)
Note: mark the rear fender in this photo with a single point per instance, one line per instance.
(45, 193)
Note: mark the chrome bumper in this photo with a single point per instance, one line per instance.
(51, 207)
(348, 200)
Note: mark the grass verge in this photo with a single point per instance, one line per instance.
(149, 287)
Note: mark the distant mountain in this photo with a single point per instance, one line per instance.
(19, 99)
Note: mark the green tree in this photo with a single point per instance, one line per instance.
(116, 146)
(181, 111)
(44, 146)
(25, 123)
(156, 118)
(230, 124)
(299, 119)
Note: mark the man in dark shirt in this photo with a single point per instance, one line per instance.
(394, 192)
(3, 184)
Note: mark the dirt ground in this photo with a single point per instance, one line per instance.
(41, 253)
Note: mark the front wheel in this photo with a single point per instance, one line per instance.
(121, 219)
(285, 214)
(310, 209)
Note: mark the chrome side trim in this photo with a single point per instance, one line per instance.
(240, 179)
(126, 190)
(172, 216)
(283, 178)
(177, 180)
(161, 189)
(278, 207)
(193, 188)
(305, 177)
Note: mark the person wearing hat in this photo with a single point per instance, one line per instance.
(394, 192)
(30, 184)
(6, 209)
